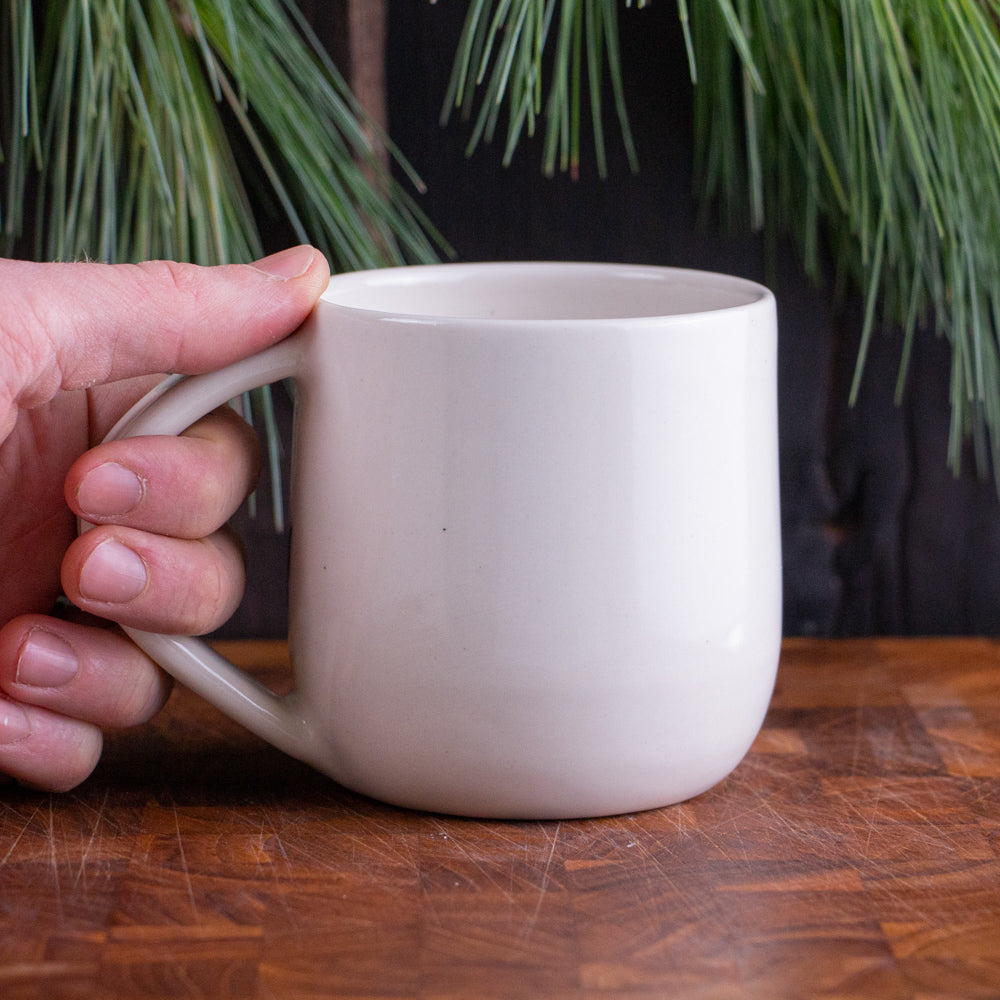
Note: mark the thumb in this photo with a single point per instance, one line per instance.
(72, 326)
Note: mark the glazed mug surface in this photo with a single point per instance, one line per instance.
(536, 566)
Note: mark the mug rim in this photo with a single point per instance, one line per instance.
(754, 294)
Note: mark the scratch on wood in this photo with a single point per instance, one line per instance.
(389, 842)
(471, 857)
(20, 834)
(184, 864)
(279, 841)
(94, 831)
(796, 830)
(860, 730)
(529, 927)
(645, 893)
(54, 859)
(873, 820)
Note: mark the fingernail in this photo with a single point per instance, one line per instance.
(113, 574)
(14, 724)
(287, 264)
(110, 490)
(45, 660)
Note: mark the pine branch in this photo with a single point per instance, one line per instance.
(501, 50)
(868, 129)
(131, 101)
(879, 134)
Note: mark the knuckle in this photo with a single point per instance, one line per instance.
(210, 494)
(214, 467)
(169, 274)
(216, 591)
(178, 289)
(28, 357)
(140, 696)
(212, 503)
(58, 757)
(80, 765)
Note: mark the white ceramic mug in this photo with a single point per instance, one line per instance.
(535, 535)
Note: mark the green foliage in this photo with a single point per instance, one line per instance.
(510, 36)
(152, 128)
(868, 129)
(876, 135)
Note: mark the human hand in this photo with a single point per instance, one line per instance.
(78, 344)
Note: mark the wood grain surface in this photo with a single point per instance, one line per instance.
(854, 853)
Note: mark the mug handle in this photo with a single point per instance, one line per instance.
(174, 405)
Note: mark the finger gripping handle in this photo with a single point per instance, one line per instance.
(170, 408)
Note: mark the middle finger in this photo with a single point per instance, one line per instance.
(186, 486)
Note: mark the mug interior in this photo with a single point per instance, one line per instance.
(540, 291)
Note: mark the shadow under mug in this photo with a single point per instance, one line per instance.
(535, 564)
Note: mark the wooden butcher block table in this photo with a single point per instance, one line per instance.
(854, 853)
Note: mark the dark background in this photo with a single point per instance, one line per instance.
(879, 537)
